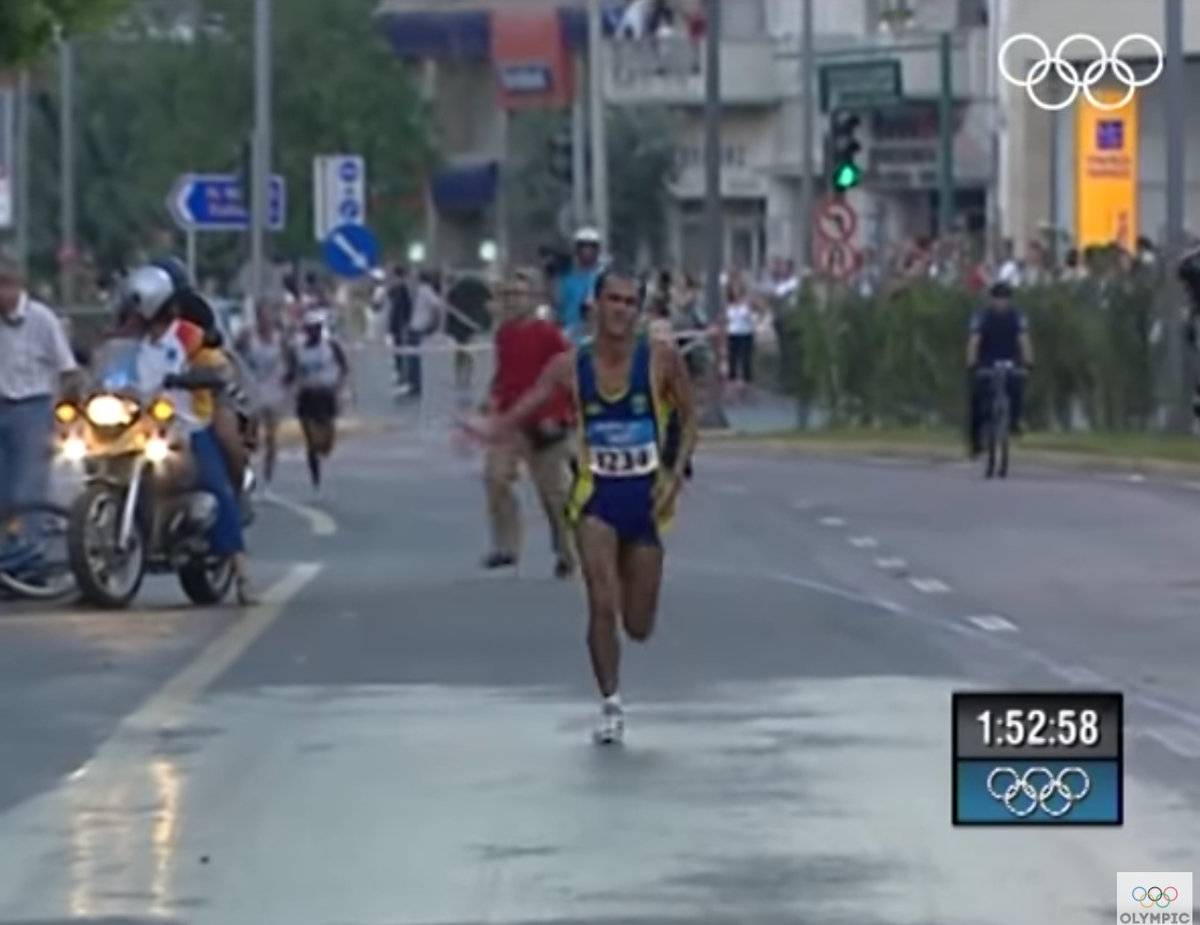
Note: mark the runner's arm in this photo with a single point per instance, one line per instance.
(558, 374)
(343, 363)
(675, 386)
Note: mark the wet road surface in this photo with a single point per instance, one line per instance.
(396, 739)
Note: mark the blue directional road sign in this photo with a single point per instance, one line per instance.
(215, 202)
(350, 251)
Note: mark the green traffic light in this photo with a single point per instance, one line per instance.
(847, 176)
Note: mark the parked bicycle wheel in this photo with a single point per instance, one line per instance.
(33, 552)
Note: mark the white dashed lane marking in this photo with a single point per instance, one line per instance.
(891, 565)
(929, 585)
(993, 623)
(864, 542)
(832, 522)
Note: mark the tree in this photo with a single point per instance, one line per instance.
(642, 166)
(171, 92)
(30, 28)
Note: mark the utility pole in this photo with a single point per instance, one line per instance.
(714, 227)
(1177, 115)
(21, 190)
(67, 256)
(260, 195)
(808, 180)
(597, 118)
(579, 133)
(945, 135)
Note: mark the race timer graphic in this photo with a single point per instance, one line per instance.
(1048, 758)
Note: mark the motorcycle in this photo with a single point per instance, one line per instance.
(132, 517)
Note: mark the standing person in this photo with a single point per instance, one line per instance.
(318, 370)
(427, 313)
(625, 385)
(741, 325)
(525, 346)
(36, 366)
(400, 310)
(575, 286)
(263, 350)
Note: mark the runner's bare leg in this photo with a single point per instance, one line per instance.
(640, 571)
(598, 547)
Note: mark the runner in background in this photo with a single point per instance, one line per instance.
(263, 348)
(318, 370)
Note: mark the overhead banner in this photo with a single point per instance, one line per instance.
(1106, 171)
(533, 63)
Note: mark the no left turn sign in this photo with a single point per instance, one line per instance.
(836, 220)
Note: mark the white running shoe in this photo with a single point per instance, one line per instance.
(610, 729)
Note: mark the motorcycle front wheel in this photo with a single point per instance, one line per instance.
(107, 577)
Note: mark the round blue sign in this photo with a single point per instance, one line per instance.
(349, 171)
(349, 211)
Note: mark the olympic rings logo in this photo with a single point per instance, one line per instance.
(1092, 74)
(1148, 898)
(1038, 788)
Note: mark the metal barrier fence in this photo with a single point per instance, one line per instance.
(455, 379)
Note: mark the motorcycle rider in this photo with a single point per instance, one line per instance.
(178, 356)
(236, 418)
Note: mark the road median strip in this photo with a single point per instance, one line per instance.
(1149, 453)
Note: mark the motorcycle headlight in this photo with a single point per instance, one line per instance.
(109, 411)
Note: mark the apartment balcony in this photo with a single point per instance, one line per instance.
(671, 72)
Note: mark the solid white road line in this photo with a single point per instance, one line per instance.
(929, 585)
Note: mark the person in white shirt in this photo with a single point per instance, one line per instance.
(36, 366)
(318, 370)
(741, 325)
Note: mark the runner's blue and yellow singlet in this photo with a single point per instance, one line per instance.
(621, 449)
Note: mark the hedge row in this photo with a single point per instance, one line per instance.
(898, 359)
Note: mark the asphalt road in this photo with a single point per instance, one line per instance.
(396, 739)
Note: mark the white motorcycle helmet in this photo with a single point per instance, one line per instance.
(147, 291)
(587, 236)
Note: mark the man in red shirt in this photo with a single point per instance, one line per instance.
(525, 345)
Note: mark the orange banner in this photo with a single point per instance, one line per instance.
(1106, 171)
(533, 64)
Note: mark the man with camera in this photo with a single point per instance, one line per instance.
(525, 346)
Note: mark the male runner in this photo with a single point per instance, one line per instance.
(318, 369)
(625, 385)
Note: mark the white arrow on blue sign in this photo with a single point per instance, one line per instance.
(215, 202)
(350, 251)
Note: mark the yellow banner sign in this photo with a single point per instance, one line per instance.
(1106, 171)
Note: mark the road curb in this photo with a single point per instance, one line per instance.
(1058, 459)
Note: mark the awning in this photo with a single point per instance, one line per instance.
(465, 188)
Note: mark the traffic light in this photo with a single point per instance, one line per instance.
(561, 157)
(845, 173)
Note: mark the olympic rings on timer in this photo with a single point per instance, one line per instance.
(1033, 790)
(1092, 74)
(1148, 899)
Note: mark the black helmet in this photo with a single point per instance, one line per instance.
(1001, 290)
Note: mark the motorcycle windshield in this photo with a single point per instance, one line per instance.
(116, 365)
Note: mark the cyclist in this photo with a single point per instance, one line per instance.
(999, 334)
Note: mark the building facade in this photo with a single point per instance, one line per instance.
(1060, 168)
(1014, 168)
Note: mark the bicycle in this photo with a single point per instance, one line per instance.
(26, 569)
(999, 421)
